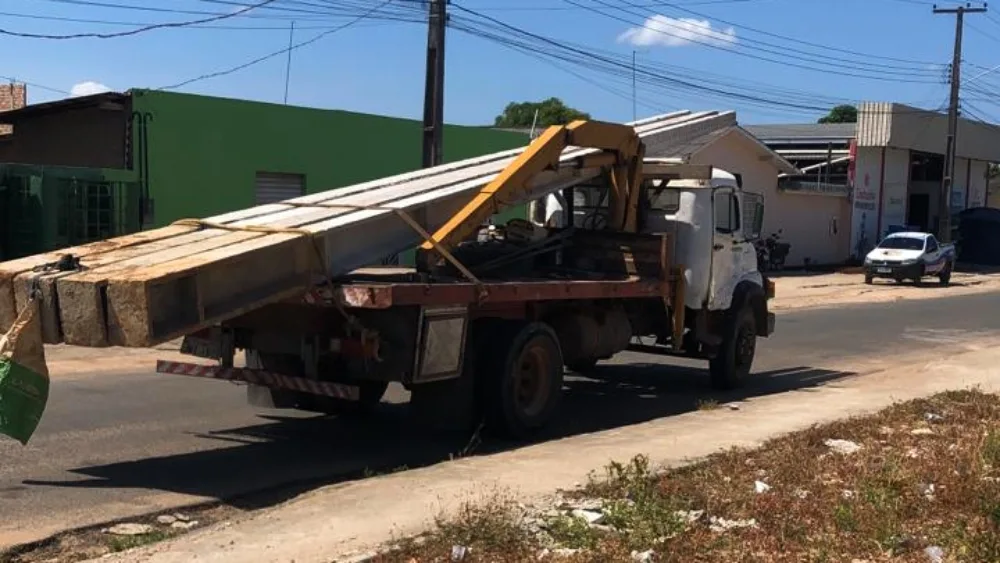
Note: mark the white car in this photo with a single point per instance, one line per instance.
(910, 256)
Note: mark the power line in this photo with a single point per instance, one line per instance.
(594, 62)
(137, 30)
(35, 85)
(258, 60)
(683, 8)
(770, 49)
(162, 10)
(41, 17)
(644, 71)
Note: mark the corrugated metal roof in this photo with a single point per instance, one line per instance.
(876, 124)
(686, 149)
(803, 131)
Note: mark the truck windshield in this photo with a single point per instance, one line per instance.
(902, 243)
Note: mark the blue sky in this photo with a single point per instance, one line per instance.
(377, 65)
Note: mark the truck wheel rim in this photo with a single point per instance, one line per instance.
(531, 379)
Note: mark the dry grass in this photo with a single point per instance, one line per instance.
(927, 476)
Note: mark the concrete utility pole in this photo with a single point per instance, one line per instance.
(434, 84)
(944, 205)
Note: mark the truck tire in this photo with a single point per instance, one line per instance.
(521, 379)
(371, 392)
(731, 365)
(944, 277)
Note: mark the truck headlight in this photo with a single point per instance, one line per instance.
(868, 261)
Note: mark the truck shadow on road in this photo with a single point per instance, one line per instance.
(284, 456)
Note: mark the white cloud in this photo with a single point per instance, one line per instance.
(661, 30)
(88, 88)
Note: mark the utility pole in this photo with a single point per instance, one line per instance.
(434, 83)
(944, 205)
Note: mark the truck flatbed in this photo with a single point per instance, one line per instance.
(369, 292)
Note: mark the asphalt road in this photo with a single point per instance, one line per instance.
(112, 446)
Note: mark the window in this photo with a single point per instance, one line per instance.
(664, 200)
(272, 188)
(901, 243)
(932, 245)
(727, 213)
(590, 206)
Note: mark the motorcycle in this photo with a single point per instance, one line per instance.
(776, 252)
(760, 247)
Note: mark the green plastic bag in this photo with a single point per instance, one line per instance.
(24, 378)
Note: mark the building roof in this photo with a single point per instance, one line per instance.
(685, 151)
(803, 132)
(111, 100)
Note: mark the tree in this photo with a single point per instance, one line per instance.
(841, 114)
(550, 112)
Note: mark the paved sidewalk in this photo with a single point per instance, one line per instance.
(341, 521)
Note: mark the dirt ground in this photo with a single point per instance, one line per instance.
(915, 482)
(808, 291)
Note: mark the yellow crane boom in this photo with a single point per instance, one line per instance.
(621, 157)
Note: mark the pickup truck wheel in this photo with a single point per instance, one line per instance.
(869, 279)
(945, 276)
(731, 365)
(522, 385)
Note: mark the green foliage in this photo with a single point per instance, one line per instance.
(573, 533)
(550, 112)
(845, 113)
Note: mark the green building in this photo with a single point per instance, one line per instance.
(91, 167)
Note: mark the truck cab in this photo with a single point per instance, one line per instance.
(712, 222)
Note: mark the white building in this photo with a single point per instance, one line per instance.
(895, 177)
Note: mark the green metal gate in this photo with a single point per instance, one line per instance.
(47, 208)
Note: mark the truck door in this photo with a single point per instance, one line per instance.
(732, 253)
(933, 257)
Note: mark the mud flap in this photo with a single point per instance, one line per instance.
(24, 377)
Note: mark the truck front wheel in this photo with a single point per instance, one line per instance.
(522, 382)
(731, 365)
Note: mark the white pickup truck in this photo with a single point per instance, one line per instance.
(910, 256)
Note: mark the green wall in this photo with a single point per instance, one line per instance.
(204, 152)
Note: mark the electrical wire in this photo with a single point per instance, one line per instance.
(614, 66)
(35, 85)
(900, 75)
(41, 17)
(273, 54)
(644, 73)
(137, 30)
(795, 40)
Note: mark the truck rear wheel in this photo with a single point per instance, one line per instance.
(522, 379)
(732, 363)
